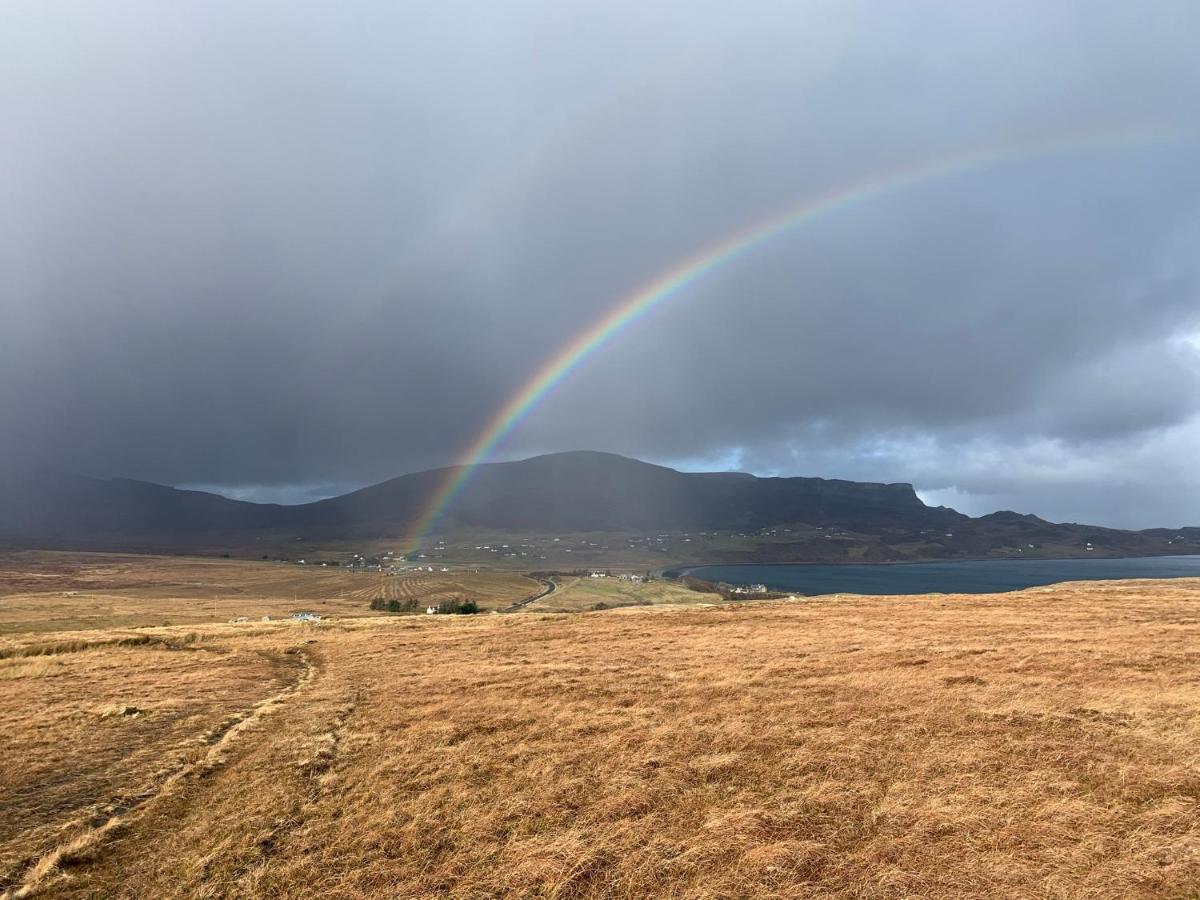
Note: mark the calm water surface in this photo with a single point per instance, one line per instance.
(961, 577)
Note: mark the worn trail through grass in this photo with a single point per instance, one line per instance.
(86, 836)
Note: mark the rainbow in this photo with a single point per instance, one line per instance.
(695, 267)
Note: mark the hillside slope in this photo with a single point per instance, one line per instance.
(1034, 744)
(588, 491)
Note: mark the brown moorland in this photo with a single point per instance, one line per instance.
(43, 590)
(1033, 744)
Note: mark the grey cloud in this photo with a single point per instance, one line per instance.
(281, 249)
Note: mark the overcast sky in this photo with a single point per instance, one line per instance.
(285, 248)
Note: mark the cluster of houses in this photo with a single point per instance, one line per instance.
(748, 589)
(624, 576)
(386, 564)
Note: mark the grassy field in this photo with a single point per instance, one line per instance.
(59, 591)
(579, 594)
(1034, 744)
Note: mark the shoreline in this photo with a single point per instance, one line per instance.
(677, 573)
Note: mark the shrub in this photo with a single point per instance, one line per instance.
(393, 606)
(458, 607)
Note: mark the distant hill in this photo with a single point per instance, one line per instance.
(565, 493)
(589, 491)
(58, 505)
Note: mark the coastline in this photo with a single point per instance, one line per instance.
(830, 570)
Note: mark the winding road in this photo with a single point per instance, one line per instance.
(549, 586)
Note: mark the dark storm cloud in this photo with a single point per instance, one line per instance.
(283, 249)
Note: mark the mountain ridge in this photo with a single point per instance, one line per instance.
(572, 492)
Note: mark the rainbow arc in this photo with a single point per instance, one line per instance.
(675, 281)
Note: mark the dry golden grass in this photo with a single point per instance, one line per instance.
(85, 732)
(1035, 744)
